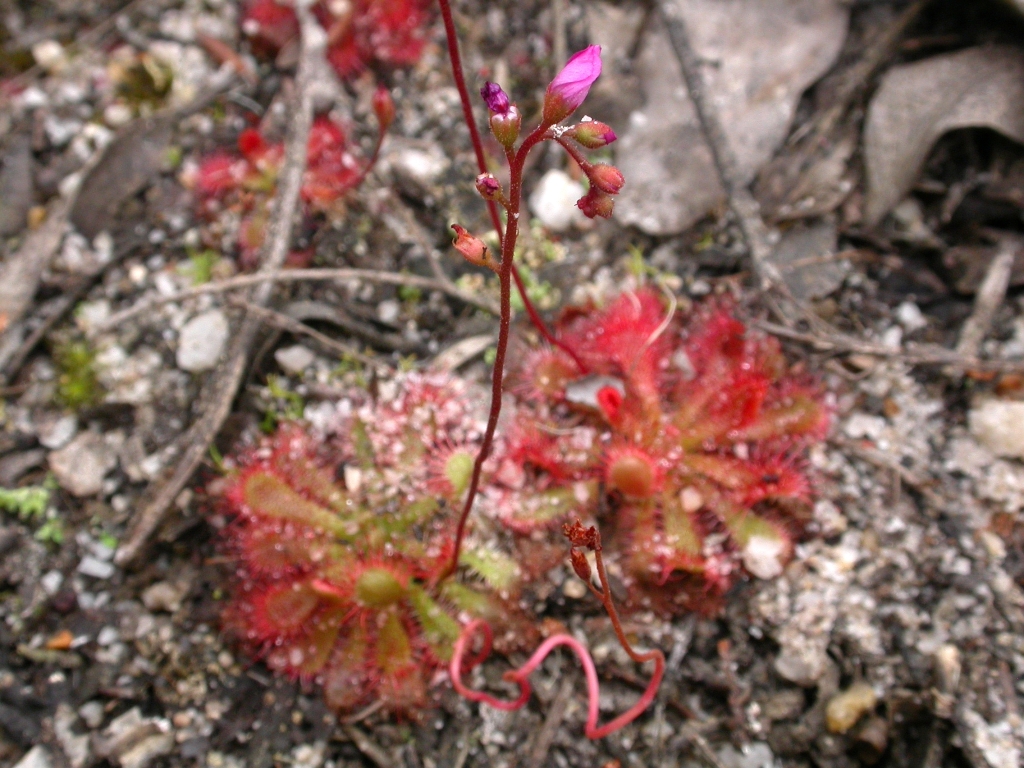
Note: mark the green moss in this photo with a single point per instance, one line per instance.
(78, 384)
(27, 503)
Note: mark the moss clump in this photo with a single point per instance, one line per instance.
(78, 384)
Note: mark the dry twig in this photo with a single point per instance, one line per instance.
(912, 354)
(293, 275)
(286, 323)
(878, 52)
(989, 297)
(368, 747)
(546, 734)
(221, 390)
(741, 201)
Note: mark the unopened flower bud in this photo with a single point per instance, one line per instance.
(592, 134)
(495, 98)
(505, 126)
(596, 203)
(383, 108)
(580, 564)
(473, 249)
(607, 178)
(488, 186)
(571, 86)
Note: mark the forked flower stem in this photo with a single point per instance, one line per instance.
(508, 245)
(481, 161)
(521, 676)
(506, 272)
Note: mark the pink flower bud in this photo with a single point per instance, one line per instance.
(505, 127)
(570, 86)
(473, 249)
(596, 203)
(488, 186)
(592, 134)
(495, 98)
(383, 108)
(607, 178)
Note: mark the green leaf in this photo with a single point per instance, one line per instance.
(439, 629)
(499, 571)
(268, 495)
(28, 502)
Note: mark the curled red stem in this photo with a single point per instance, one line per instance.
(521, 678)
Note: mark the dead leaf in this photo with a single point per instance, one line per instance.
(917, 103)
(127, 166)
(762, 55)
(16, 187)
(20, 273)
(806, 259)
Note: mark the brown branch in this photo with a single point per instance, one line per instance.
(285, 323)
(293, 275)
(987, 300)
(220, 392)
(741, 201)
(912, 354)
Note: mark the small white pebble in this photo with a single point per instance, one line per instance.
(97, 569)
(51, 582)
(107, 636)
(49, 54)
(117, 115)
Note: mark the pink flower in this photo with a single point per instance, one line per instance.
(570, 86)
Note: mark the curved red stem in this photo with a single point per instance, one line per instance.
(521, 678)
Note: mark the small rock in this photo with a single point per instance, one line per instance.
(418, 169)
(996, 425)
(294, 359)
(117, 115)
(164, 596)
(309, 755)
(202, 340)
(757, 754)
(147, 750)
(126, 733)
(846, 708)
(764, 557)
(49, 54)
(81, 465)
(995, 741)
(95, 568)
(37, 757)
(92, 714)
(574, 589)
(910, 316)
(107, 636)
(388, 311)
(553, 201)
(57, 434)
(51, 582)
(75, 748)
